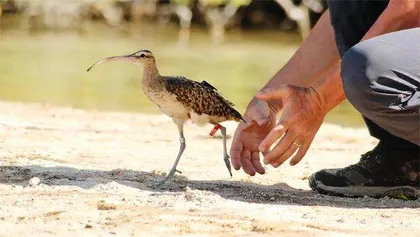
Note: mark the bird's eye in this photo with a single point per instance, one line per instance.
(142, 55)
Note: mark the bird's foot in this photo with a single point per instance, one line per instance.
(169, 176)
(227, 163)
(164, 181)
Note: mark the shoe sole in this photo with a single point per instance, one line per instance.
(397, 192)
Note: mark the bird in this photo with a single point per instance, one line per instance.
(182, 99)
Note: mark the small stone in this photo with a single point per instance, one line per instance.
(34, 181)
(272, 199)
(385, 216)
(103, 206)
(87, 226)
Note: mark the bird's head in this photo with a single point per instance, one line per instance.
(140, 57)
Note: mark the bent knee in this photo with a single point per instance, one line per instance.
(355, 78)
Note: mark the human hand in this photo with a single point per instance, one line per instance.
(261, 118)
(303, 113)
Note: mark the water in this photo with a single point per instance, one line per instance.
(50, 67)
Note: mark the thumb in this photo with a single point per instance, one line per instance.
(261, 121)
(259, 114)
(262, 114)
(273, 93)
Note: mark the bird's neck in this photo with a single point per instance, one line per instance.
(151, 74)
(150, 70)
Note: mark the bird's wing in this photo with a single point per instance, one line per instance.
(208, 85)
(202, 98)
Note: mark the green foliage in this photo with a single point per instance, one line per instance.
(401, 196)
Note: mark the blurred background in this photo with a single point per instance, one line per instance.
(236, 45)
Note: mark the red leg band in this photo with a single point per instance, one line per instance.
(214, 130)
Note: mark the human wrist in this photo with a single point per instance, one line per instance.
(330, 90)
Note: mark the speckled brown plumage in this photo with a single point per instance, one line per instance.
(201, 98)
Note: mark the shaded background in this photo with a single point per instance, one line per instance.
(236, 45)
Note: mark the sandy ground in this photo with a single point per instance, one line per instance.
(69, 172)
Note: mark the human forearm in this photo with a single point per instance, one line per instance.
(399, 15)
(307, 64)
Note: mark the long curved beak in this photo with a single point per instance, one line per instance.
(114, 58)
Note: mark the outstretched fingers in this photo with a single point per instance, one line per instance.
(281, 158)
(272, 137)
(256, 163)
(245, 159)
(235, 154)
(303, 149)
(246, 162)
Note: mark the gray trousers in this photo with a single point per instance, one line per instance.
(381, 75)
(381, 79)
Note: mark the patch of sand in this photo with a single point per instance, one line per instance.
(70, 172)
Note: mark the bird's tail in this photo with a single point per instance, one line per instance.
(237, 115)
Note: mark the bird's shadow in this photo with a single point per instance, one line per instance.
(216, 136)
(281, 193)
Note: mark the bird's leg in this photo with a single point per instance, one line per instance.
(182, 146)
(225, 154)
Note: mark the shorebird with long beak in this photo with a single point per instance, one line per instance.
(182, 99)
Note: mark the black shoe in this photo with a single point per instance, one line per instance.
(379, 173)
